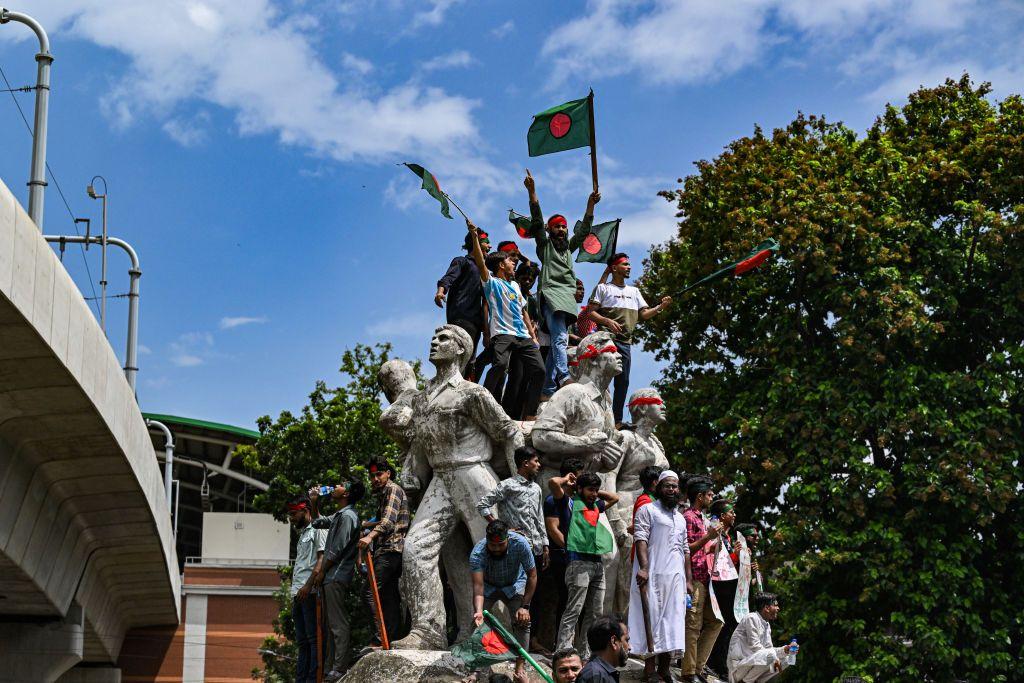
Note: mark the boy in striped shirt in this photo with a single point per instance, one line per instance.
(511, 331)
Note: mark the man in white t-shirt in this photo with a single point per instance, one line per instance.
(512, 333)
(618, 308)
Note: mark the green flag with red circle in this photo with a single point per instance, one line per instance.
(586, 533)
(484, 647)
(757, 256)
(431, 186)
(557, 129)
(600, 245)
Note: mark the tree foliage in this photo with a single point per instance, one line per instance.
(863, 392)
(329, 442)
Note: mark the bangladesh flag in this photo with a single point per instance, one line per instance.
(566, 126)
(599, 246)
(483, 648)
(521, 223)
(755, 258)
(586, 533)
(431, 186)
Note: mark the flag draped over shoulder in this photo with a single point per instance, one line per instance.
(431, 186)
(599, 246)
(566, 126)
(755, 258)
(483, 648)
(586, 533)
(521, 223)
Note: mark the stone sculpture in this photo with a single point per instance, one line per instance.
(578, 419)
(640, 448)
(453, 429)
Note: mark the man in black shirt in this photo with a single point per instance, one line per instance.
(608, 638)
(461, 287)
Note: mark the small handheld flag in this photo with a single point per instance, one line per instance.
(752, 260)
(521, 223)
(431, 186)
(599, 246)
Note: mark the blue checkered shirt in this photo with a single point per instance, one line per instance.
(506, 573)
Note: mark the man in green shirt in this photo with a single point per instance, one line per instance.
(557, 288)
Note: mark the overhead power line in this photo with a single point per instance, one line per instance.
(53, 177)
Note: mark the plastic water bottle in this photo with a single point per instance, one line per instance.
(689, 601)
(791, 650)
(326, 490)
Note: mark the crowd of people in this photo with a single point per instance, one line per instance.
(692, 570)
(527, 336)
(548, 557)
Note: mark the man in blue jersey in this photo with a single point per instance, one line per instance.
(511, 331)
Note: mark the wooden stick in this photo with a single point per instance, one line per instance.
(376, 602)
(593, 140)
(646, 609)
(319, 640)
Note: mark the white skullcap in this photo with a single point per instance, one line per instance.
(666, 474)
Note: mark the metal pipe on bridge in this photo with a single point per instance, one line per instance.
(37, 179)
(131, 368)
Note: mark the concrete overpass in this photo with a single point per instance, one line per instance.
(86, 545)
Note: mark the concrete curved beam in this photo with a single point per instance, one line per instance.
(83, 517)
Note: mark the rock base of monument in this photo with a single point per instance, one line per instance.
(440, 666)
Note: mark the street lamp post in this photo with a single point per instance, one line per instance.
(37, 179)
(91, 191)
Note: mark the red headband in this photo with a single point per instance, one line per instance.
(557, 219)
(482, 235)
(620, 260)
(593, 351)
(646, 401)
(295, 507)
(511, 246)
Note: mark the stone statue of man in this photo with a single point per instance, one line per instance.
(578, 419)
(640, 448)
(455, 427)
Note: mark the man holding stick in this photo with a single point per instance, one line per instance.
(661, 578)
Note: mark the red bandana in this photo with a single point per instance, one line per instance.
(593, 352)
(295, 507)
(557, 219)
(373, 469)
(511, 246)
(621, 259)
(646, 401)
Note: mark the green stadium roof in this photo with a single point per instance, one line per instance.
(202, 424)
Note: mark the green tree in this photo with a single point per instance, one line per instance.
(863, 391)
(329, 442)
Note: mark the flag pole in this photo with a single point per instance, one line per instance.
(511, 640)
(452, 202)
(372, 576)
(593, 138)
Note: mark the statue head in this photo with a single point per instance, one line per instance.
(451, 344)
(598, 357)
(646, 405)
(396, 376)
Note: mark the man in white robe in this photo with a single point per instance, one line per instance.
(752, 657)
(661, 569)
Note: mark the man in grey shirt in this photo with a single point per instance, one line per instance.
(337, 568)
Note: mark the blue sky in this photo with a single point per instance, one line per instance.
(250, 147)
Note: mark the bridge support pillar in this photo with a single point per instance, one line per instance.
(41, 651)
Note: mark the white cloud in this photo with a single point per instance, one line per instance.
(191, 349)
(145, 350)
(652, 224)
(259, 62)
(229, 323)
(415, 324)
(356, 64)
(452, 60)
(188, 132)
(665, 41)
(434, 15)
(885, 47)
(504, 29)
